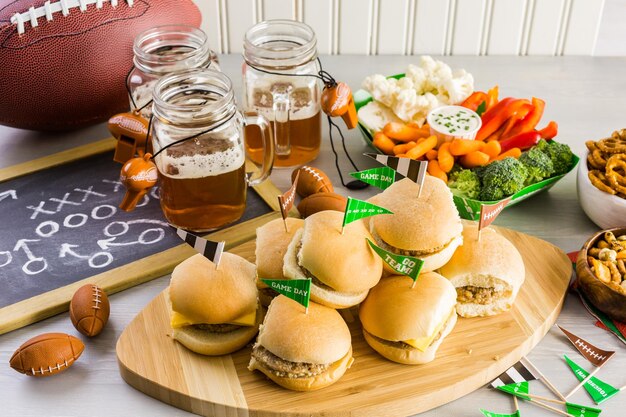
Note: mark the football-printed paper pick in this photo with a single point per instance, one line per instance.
(381, 177)
(298, 290)
(209, 249)
(359, 209)
(403, 265)
(286, 200)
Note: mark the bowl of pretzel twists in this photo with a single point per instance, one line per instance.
(601, 271)
(601, 181)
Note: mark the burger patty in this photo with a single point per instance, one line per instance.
(480, 295)
(286, 369)
(405, 252)
(217, 328)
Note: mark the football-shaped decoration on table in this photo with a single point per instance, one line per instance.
(311, 181)
(64, 63)
(320, 202)
(89, 310)
(46, 354)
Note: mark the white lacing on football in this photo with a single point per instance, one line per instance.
(49, 8)
(50, 369)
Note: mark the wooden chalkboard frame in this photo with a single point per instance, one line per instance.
(53, 302)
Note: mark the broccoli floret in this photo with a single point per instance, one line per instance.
(559, 153)
(454, 172)
(502, 178)
(538, 164)
(467, 182)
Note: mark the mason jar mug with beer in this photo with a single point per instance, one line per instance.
(197, 138)
(280, 83)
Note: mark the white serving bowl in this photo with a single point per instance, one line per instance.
(604, 209)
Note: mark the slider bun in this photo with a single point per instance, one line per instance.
(213, 343)
(345, 262)
(410, 356)
(394, 311)
(205, 294)
(421, 224)
(271, 244)
(492, 262)
(319, 337)
(332, 374)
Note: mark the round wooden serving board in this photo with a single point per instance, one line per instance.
(477, 351)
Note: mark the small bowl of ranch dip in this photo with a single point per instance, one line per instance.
(453, 122)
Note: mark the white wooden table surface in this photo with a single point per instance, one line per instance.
(587, 96)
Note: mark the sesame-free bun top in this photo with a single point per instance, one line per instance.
(423, 223)
(271, 245)
(319, 337)
(344, 262)
(205, 294)
(394, 311)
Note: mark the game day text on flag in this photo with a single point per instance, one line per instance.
(381, 177)
(298, 290)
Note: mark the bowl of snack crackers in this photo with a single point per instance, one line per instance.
(601, 181)
(601, 271)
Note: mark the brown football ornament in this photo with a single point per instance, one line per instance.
(138, 175)
(89, 310)
(337, 100)
(46, 354)
(312, 180)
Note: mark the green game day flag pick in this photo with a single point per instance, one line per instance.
(298, 290)
(381, 177)
(359, 209)
(582, 410)
(490, 414)
(404, 265)
(599, 390)
(518, 389)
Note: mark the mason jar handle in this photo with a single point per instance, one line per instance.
(281, 107)
(268, 147)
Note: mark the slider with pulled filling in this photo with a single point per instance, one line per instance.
(342, 267)
(428, 227)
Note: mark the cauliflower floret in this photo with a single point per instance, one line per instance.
(460, 86)
(381, 88)
(410, 105)
(417, 75)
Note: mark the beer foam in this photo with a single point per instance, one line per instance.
(199, 166)
(296, 112)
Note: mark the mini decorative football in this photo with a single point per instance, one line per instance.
(311, 181)
(46, 354)
(64, 63)
(89, 310)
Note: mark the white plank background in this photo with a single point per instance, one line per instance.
(405, 27)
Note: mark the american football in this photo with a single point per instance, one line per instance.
(64, 62)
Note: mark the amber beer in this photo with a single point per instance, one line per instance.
(305, 137)
(203, 192)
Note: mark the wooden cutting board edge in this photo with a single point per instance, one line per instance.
(404, 405)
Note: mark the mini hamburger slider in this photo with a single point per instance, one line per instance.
(302, 352)
(428, 227)
(342, 267)
(214, 311)
(272, 241)
(487, 274)
(407, 325)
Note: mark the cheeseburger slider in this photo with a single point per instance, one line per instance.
(214, 311)
(487, 274)
(302, 352)
(407, 325)
(272, 241)
(428, 227)
(342, 267)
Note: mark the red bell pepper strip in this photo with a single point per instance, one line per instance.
(499, 114)
(531, 120)
(549, 131)
(523, 141)
(521, 113)
(492, 97)
(474, 100)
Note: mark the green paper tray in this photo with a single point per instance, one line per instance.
(468, 208)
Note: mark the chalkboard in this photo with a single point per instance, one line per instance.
(62, 225)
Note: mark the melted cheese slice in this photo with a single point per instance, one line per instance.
(422, 343)
(178, 320)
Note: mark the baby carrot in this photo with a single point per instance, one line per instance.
(464, 146)
(435, 170)
(403, 147)
(421, 148)
(432, 154)
(492, 149)
(513, 152)
(445, 158)
(382, 142)
(474, 159)
(402, 132)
